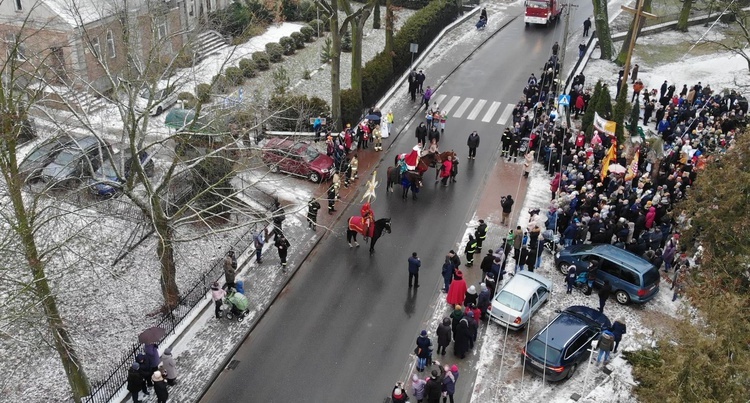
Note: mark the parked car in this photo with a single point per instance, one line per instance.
(298, 159)
(519, 299)
(633, 279)
(106, 182)
(563, 345)
(77, 159)
(41, 155)
(160, 99)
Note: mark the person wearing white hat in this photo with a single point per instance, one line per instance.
(160, 387)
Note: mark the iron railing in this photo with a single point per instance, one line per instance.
(104, 390)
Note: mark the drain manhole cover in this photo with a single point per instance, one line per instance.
(233, 364)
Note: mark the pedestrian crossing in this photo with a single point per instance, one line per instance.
(455, 106)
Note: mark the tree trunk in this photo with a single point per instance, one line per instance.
(64, 345)
(358, 28)
(620, 61)
(389, 27)
(165, 252)
(335, 67)
(601, 22)
(682, 22)
(376, 16)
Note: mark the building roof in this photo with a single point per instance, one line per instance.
(78, 13)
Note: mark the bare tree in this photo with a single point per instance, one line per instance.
(338, 29)
(24, 215)
(358, 25)
(601, 23)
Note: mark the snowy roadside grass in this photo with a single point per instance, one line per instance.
(104, 307)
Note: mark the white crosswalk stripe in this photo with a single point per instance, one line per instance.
(464, 105)
(477, 108)
(491, 112)
(438, 99)
(451, 104)
(486, 109)
(506, 114)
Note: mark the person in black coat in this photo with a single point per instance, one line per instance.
(604, 294)
(135, 383)
(160, 387)
(421, 134)
(486, 264)
(433, 389)
(444, 335)
(424, 350)
(618, 329)
(461, 342)
(473, 144)
(145, 371)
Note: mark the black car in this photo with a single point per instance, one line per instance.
(77, 159)
(557, 350)
(41, 155)
(108, 179)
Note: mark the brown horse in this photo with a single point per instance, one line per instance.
(436, 160)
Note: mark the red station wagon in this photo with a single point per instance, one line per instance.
(299, 159)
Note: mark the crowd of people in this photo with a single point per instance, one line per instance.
(631, 208)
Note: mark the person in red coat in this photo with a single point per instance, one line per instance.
(580, 105)
(445, 171)
(457, 289)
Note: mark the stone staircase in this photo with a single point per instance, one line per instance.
(208, 43)
(79, 100)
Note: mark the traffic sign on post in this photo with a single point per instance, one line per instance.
(563, 100)
(414, 47)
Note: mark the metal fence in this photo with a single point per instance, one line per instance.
(104, 390)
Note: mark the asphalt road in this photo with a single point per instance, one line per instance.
(345, 324)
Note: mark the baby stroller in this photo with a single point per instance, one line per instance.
(550, 240)
(482, 23)
(238, 306)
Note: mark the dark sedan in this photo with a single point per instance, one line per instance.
(557, 350)
(108, 179)
(41, 155)
(77, 159)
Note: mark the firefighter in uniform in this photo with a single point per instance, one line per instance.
(331, 199)
(471, 249)
(312, 214)
(480, 234)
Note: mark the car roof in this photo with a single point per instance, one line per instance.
(279, 143)
(524, 284)
(569, 323)
(616, 254)
(83, 143)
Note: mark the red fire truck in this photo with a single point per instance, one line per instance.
(542, 11)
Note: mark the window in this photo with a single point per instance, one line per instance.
(161, 30)
(111, 44)
(541, 292)
(534, 300)
(95, 47)
(611, 268)
(630, 277)
(19, 6)
(15, 49)
(584, 339)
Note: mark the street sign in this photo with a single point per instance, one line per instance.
(414, 47)
(564, 100)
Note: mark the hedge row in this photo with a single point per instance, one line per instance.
(381, 72)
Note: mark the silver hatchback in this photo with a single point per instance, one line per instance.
(519, 299)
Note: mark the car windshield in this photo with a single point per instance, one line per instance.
(538, 348)
(146, 93)
(510, 300)
(108, 168)
(536, 4)
(305, 152)
(65, 157)
(41, 152)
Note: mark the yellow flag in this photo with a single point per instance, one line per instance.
(611, 155)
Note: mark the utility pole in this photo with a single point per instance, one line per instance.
(636, 25)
